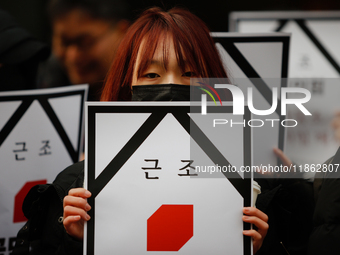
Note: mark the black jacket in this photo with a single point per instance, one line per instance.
(289, 205)
(44, 232)
(325, 238)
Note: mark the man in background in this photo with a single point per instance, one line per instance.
(85, 36)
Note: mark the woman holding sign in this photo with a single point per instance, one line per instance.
(166, 48)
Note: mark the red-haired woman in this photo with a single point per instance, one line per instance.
(161, 51)
(177, 32)
(155, 61)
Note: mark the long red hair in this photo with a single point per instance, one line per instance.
(192, 42)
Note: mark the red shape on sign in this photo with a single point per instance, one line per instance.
(170, 227)
(19, 199)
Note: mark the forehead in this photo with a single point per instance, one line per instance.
(163, 46)
(77, 22)
(154, 51)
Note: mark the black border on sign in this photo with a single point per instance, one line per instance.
(158, 112)
(42, 98)
(228, 43)
(281, 16)
(300, 19)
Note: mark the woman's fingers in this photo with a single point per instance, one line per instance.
(75, 212)
(259, 219)
(253, 233)
(262, 226)
(76, 202)
(79, 192)
(70, 219)
(253, 211)
(257, 238)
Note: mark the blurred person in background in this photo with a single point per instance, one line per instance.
(85, 36)
(325, 237)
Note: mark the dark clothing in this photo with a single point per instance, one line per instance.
(44, 232)
(20, 55)
(289, 205)
(325, 238)
(17, 45)
(20, 76)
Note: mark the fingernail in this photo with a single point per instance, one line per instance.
(246, 209)
(87, 207)
(87, 217)
(87, 193)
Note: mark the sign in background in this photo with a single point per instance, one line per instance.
(313, 140)
(259, 61)
(314, 54)
(314, 50)
(40, 135)
(145, 191)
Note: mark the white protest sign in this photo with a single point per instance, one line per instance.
(314, 50)
(312, 141)
(313, 53)
(258, 61)
(40, 134)
(152, 171)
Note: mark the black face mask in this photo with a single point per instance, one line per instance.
(161, 92)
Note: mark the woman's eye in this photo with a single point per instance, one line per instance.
(189, 74)
(151, 75)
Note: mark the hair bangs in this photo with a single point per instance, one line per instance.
(150, 43)
(184, 50)
(185, 53)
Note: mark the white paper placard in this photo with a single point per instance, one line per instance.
(312, 141)
(314, 55)
(146, 196)
(314, 50)
(40, 134)
(258, 61)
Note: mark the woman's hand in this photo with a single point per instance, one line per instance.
(75, 212)
(259, 219)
